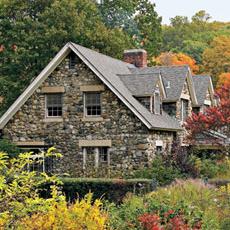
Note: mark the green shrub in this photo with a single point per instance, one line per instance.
(18, 189)
(159, 172)
(8, 147)
(196, 202)
(209, 168)
(110, 189)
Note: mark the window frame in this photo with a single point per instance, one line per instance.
(103, 151)
(183, 118)
(96, 151)
(85, 105)
(157, 92)
(46, 105)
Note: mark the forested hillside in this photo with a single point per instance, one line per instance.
(31, 32)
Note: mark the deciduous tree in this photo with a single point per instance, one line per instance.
(215, 119)
(170, 58)
(216, 58)
(223, 80)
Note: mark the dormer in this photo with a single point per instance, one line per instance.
(148, 89)
(204, 92)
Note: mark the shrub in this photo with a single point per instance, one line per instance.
(110, 189)
(191, 204)
(18, 189)
(83, 214)
(160, 172)
(8, 147)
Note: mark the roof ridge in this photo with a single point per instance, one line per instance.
(97, 52)
(137, 74)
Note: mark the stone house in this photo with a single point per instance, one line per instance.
(107, 117)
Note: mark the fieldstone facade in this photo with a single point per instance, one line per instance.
(132, 144)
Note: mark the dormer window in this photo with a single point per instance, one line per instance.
(152, 103)
(145, 101)
(72, 60)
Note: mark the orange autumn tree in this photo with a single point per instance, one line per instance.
(224, 80)
(170, 58)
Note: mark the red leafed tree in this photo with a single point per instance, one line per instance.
(215, 119)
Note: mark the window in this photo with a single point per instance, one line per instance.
(196, 110)
(92, 104)
(145, 101)
(159, 149)
(72, 60)
(157, 102)
(94, 156)
(103, 155)
(54, 105)
(40, 162)
(170, 108)
(184, 109)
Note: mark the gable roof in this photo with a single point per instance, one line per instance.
(107, 69)
(175, 76)
(201, 85)
(142, 84)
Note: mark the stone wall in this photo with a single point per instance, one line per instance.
(133, 145)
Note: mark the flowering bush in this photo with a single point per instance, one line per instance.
(183, 205)
(83, 214)
(21, 206)
(170, 220)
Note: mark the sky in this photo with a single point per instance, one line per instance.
(218, 9)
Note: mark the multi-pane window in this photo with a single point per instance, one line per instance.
(157, 103)
(39, 162)
(184, 109)
(94, 156)
(103, 154)
(54, 105)
(92, 104)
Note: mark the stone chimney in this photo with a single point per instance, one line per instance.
(137, 57)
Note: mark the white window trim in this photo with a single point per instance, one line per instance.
(46, 110)
(157, 92)
(182, 109)
(84, 105)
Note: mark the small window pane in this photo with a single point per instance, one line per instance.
(54, 105)
(93, 104)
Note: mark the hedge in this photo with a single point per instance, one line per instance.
(219, 182)
(109, 189)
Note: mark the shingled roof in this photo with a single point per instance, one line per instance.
(141, 84)
(201, 85)
(173, 76)
(111, 69)
(108, 70)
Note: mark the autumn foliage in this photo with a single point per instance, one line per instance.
(224, 80)
(169, 220)
(215, 118)
(169, 58)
